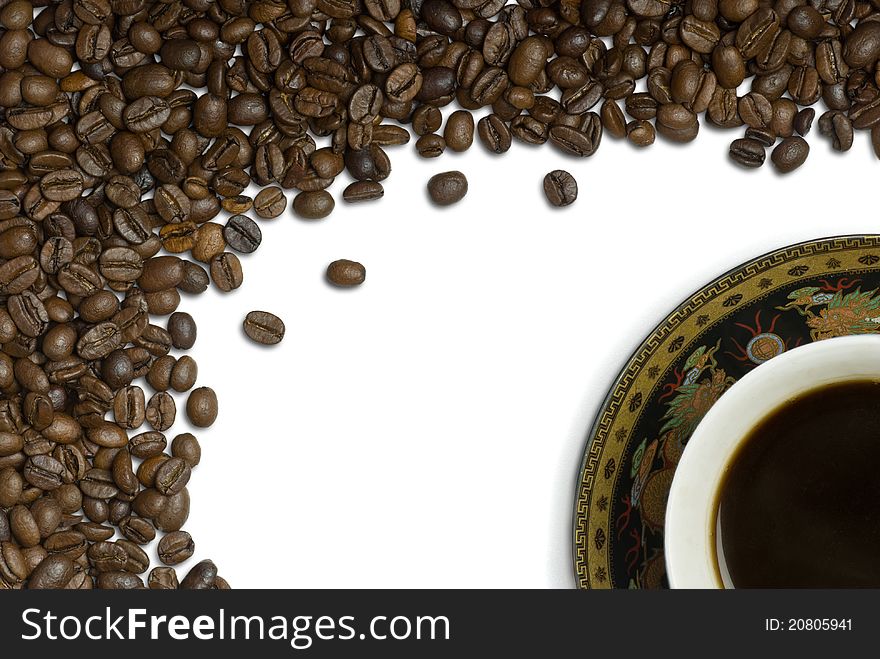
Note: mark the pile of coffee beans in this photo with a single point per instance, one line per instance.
(128, 126)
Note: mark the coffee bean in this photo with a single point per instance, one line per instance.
(313, 205)
(560, 188)
(201, 407)
(264, 327)
(803, 121)
(186, 446)
(242, 234)
(790, 154)
(578, 142)
(270, 203)
(162, 578)
(200, 577)
(459, 130)
(363, 191)
(839, 128)
(447, 188)
(182, 329)
(430, 145)
(161, 411)
(747, 152)
(494, 133)
(226, 272)
(53, 572)
(176, 547)
(346, 273)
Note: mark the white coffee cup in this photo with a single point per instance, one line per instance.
(690, 538)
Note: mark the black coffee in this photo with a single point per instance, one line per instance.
(798, 506)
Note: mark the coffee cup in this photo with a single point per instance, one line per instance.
(692, 547)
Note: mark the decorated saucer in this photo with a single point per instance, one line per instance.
(807, 292)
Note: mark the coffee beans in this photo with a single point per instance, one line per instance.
(126, 131)
(264, 327)
(345, 273)
(560, 188)
(447, 188)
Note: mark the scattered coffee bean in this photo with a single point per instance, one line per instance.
(447, 188)
(270, 203)
(346, 273)
(176, 547)
(242, 234)
(201, 407)
(790, 154)
(313, 205)
(839, 128)
(747, 152)
(264, 327)
(560, 188)
(363, 191)
(803, 120)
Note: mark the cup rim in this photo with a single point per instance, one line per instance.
(690, 511)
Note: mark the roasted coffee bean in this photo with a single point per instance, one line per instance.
(790, 154)
(459, 130)
(172, 476)
(176, 547)
(560, 188)
(148, 444)
(184, 374)
(242, 234)
(264, 327)
(137, 530)
(161, 411)
(208, 242)
(194, 279)
(182, 329)
(581, 142)
(494, 133)
(53, 572)
(839, 128)
(363, 191)
(201, 407)
(803, 121)
(430, 145)
(118, 580)
(226, 272)
(129, 407)
(187, 447)
(747, 152)
(313, 205)
(270, 203)
(162, 578)
(345, 273)
(200, 577)
(447, 188)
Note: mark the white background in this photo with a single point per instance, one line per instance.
(426, 429)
